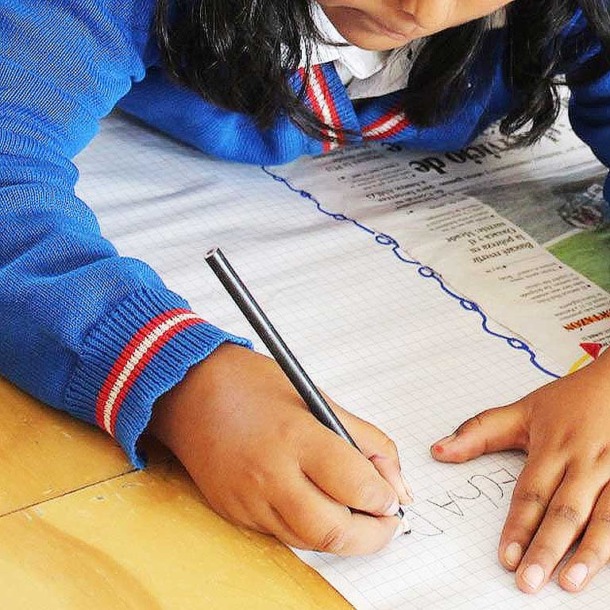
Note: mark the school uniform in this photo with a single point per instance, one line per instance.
(98, 335)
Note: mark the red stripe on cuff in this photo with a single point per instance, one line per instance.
(141, 348)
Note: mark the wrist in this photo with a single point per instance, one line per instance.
(181, 411)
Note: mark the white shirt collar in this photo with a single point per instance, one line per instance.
(364, 73)
(361, 63)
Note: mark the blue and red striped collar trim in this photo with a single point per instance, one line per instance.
(325, 94)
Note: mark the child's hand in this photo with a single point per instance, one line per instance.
(564, 490)
(262, 460)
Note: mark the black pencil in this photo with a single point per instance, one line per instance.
(257, 318)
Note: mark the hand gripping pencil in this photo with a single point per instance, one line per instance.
(275, 344)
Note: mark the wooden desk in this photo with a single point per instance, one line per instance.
(79, 528)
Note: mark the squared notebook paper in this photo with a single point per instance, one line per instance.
(372, 328)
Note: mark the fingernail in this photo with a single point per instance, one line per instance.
(577, 574)
(513, 554)
(393, 509)
(399, 531)
(533, 575)
(408, 491)
(402, 528)
(445, 441)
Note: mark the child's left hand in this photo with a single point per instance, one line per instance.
(563, 492)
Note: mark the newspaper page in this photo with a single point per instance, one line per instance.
(523, 232)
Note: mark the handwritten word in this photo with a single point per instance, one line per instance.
(431, 516)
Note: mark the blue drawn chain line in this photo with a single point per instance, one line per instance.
(424, 271)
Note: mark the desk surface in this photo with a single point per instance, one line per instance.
(79, 528)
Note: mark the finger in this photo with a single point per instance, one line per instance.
(393, 476)
(346, 475)
(318, 522)
(489, 431)
(563, 521)
(532, 495)
(380, 450)
(305, 517)
(300, 503)
(593, 551)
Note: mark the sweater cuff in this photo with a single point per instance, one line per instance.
(136, 354)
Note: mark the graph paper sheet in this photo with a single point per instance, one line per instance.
(374, 330)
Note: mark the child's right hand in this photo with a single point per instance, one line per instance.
(262, 460)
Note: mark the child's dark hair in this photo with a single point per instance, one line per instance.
(237, 54)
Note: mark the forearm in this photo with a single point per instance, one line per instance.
(83, 329)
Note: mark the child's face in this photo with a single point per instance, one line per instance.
(388, 24)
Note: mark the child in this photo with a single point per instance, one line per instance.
(265, 81)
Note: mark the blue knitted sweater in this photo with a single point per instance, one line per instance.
(99, 335)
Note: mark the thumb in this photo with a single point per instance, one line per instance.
(492, 430)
